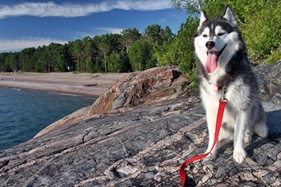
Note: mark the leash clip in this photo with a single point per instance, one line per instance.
(223, 91)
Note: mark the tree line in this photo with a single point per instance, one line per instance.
(131, 50)
(128, 51)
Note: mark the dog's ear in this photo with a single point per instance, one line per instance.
(203, 18)
(229, 16)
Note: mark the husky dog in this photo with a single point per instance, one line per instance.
(225, 67)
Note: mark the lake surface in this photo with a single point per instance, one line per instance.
(24, 113)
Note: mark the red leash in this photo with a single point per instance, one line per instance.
(223, 102)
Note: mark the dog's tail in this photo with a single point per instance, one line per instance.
(261, 129)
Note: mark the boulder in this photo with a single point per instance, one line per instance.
(153, 85)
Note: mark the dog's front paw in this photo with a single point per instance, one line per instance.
(239, 155)
(211, 156)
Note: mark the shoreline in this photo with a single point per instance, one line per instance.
(52, 91)
(83, 84)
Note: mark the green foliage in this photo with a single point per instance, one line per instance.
(180, 50)
(124, 59)
(152, 34)
(263, 30)
(138, 55)
(90, 65)
(26, 63)
(117, 62)
(10, 62)
(192, 7)
(167, 54)
(185, 44)
(276, 56)
(128, 37)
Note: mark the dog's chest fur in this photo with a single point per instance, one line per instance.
(237, 94)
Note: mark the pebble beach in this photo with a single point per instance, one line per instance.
(86, 84)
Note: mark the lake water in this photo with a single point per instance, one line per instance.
(23, 113)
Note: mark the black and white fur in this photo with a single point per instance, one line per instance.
(244, 114)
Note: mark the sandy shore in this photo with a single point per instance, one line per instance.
(86, 84)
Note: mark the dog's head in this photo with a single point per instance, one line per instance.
(216, 40)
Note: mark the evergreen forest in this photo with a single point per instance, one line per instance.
(132, 50)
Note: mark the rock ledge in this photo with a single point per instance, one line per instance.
(142, 146)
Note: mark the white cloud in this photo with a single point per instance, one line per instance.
(51, 9)
(110, 30)
(97, 31)
(26, 42)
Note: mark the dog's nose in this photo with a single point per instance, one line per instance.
(210, 44)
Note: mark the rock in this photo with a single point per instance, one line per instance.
(140, 144)
(269, 78)
(72, 118)
(153, 85)
(142, 147)
(146, 87)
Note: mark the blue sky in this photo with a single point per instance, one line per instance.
(33, 23)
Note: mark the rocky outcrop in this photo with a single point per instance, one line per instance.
(153, 85)
(139, 88)
(143, 146)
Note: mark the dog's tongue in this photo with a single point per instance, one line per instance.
(211, 63)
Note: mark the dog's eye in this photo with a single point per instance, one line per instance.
(205, 35)
(221, 34)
